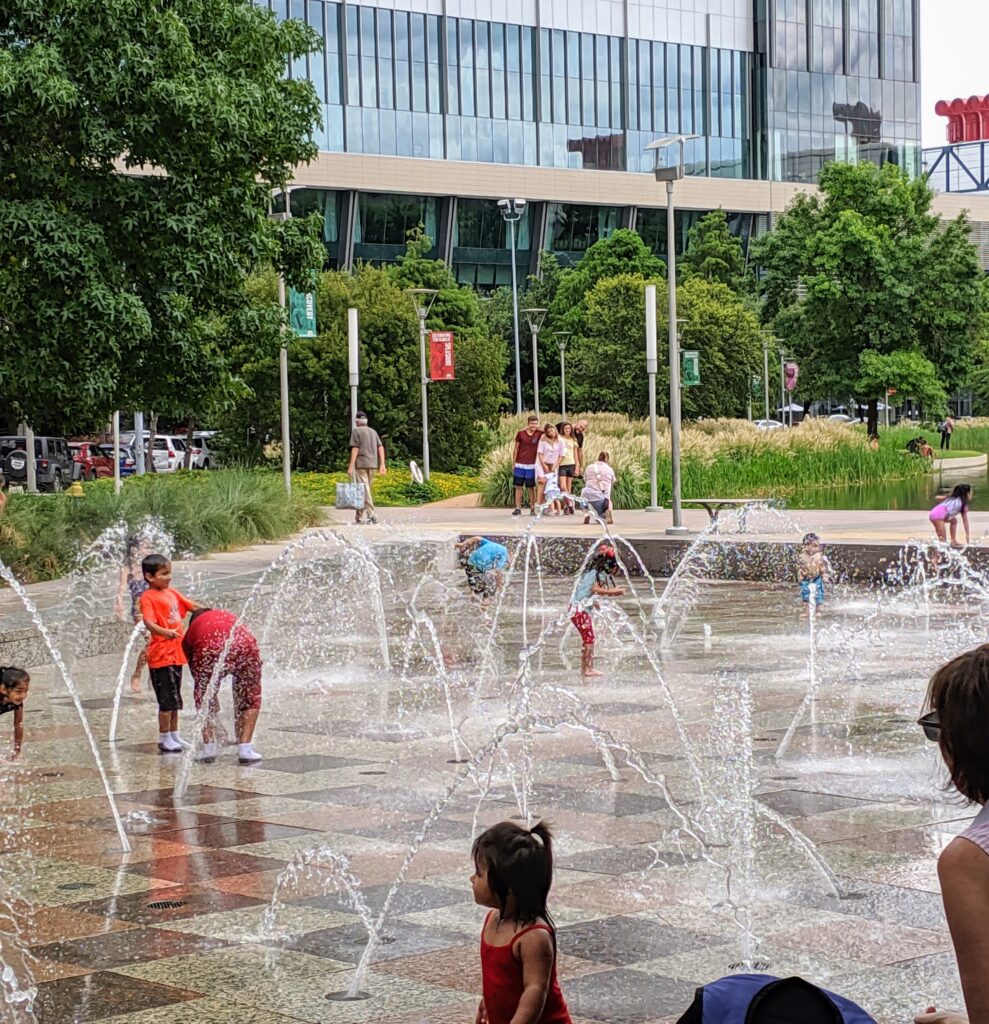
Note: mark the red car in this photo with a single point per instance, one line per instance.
(94, 462)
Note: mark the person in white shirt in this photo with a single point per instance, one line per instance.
(599, 478)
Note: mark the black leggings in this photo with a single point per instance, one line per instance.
(945, 440)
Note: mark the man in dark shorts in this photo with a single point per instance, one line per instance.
(524, 464)
(204, 642)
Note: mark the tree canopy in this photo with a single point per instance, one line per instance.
(865, 265)
(140, 144)
(713, 252)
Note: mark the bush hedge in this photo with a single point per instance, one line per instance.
(395, 489)
(41, 535)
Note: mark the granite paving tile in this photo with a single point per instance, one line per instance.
(37, 925)
(192, 900)
(793, 803)
(235, 833)
(299, 764)
(119, 948)
(245, 925)
(208, 1010)
(627, 940)
(257, 975)
(203, 865)
(91, 997)
(408, 899)
(346, 942)
(624, 996)
(194, 796)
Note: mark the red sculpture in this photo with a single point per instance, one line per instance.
(968, 120)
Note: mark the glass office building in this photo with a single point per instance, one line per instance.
(536, 90)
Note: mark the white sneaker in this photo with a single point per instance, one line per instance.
(250, 756)
(207, 755)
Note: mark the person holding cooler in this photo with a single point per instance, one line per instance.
(367, 456)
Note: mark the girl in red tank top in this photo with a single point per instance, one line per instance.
(513, 872)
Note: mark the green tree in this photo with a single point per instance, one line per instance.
(713, 252)
(622, 252)
(462, 412)
(606, 367)
(864, 265)
(910, 374)
(140, 143)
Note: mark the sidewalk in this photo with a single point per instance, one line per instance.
(833, 525)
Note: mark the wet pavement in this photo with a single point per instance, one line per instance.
(691, 863)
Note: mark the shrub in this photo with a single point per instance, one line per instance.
(395, 488)
(41, 535)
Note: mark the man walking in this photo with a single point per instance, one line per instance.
(367, 455)
(524, 459)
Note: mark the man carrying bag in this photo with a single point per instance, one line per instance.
(367, 455)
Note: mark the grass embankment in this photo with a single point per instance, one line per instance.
(395, 489)
(724, 458)
(41, 535)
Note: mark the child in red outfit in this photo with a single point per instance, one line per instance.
(164, 611)
(513, 872)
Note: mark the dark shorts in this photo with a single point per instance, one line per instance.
(136, 588)
(167, 684)
(481, 582)
(524, 477)
(243, 664)
(585, 626)
(566, 470)
(601, 507)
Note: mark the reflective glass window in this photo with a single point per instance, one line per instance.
(587, 62)
(353, 58)
(433, 64)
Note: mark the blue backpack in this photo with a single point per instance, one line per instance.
(763, 999)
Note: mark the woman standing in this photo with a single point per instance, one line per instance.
(548, 456)
(948, 511)
(958, 721)
(569, 463)
(948, 429)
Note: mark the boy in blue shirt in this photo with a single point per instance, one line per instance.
(483, 560)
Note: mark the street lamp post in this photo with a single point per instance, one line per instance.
(511, 212)
(652, 366)
(671, 174)
(286, 214)
(765, 371)
(422, 299)
(534, 318)
(562, 337)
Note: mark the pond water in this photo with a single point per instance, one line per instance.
(908, 495)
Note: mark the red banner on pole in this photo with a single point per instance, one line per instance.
(790, 373)
(441, 355)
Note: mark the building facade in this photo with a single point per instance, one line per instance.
(434, 109)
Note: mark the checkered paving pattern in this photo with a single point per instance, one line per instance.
(174, 931)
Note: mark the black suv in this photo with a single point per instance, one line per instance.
(54, 466)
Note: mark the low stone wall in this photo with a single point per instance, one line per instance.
(25, 648)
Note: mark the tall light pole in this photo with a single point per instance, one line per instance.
(562, 337)
(353, 359)
(286, 214)
(765, 370)
(534, 318)
(671, 174)
(652, 366)
(422, 299)
(511, 211)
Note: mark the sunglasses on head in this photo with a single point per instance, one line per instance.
(931, 725)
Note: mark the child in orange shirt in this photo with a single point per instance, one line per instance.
(164, 610)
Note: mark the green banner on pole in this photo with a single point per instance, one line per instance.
(302, 313)
(756, 386)
(690, 373)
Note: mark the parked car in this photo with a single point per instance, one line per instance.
(169, 450)
(769, 424)
(202, 455)
(94, 461)
(54, 465)
(169, 453)
(128, 463)
(840, 417)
